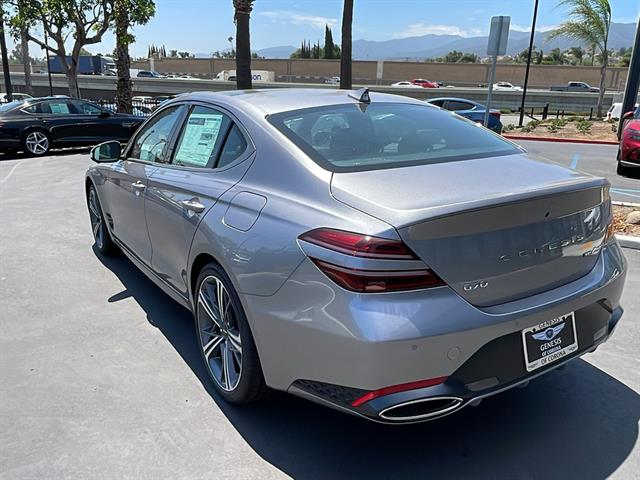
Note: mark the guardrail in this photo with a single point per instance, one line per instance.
(104, 87)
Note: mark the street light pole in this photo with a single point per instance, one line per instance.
(5, 59)
(633, 81)
(526, 73)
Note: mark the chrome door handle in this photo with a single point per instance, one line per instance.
(193, 205)
(138, 186)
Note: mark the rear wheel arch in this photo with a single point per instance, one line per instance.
(201, 261)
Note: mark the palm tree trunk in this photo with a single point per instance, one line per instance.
(243, 50)
(603, 75)
(345, 59)
(124, 88)
(26, 61)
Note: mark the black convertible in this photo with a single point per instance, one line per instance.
(36, 125)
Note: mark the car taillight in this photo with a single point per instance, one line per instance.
(496, 114)
(404, 387)
(371, 280)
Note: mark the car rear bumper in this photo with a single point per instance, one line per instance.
(332, 346)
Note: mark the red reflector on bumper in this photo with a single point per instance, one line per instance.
(403, 387)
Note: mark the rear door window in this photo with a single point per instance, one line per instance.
(455, 106)
(201, 138)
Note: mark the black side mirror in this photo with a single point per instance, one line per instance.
(106, 152)
(104, 114)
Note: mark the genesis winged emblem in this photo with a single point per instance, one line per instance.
(549, 334)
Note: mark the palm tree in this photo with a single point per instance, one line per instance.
(345, 58)
(589, 22)
(242, 15)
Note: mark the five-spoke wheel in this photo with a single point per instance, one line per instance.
(225, 339)
(36, 142)
(101, 236)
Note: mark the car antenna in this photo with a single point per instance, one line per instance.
(361, 95)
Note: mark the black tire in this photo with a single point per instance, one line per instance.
(101, 236)
(36, 142)
(250, 385)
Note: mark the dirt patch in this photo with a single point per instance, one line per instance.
(569, 127)
(620, 226)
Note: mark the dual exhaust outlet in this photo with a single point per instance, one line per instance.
(422, 409)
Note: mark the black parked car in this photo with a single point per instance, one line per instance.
(38, 124)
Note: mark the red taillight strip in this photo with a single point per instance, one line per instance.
(359, 245)
(403, 387)
(372, 281)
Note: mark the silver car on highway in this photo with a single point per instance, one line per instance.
(369, 252)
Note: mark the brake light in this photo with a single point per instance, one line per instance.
(404, 387)
(359, 245)
(371, 280)
(495, 113)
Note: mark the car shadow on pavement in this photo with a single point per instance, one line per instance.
(52, 153)
(576, 423)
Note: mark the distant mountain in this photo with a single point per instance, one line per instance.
(277, 52)
(621, 35)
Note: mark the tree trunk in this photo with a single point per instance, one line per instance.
(243, 51)
(26, 61)
(124, 88)
(71, 71)
(345, 58)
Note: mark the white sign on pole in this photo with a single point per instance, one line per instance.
(498, 37)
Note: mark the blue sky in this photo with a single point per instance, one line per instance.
(203, 26)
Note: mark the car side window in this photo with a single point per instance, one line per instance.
(234, 146)
(437, 103)
(151, 143)
(86, 108)
(201, 138)
(55, 107)
(454, 106)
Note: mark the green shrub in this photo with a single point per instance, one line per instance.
(509, 128)
(556, 124)
(531, 126)
(584, 126)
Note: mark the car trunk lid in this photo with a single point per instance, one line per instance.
(495, 229)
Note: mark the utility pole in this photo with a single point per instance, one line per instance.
(633, 81)
(526, 73)
(5, 59)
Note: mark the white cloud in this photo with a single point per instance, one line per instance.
(419, 29)
(314, 21)
(527, 28)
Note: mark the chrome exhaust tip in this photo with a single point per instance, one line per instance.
(421, 409)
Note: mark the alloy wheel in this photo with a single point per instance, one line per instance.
(37, 143)
(219, 333)
(96, 218)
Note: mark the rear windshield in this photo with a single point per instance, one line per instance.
(346, 138)
(5, 107)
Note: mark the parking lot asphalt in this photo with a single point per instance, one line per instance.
(101, 378)
(595, 159)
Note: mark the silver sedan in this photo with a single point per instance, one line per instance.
(369, 252)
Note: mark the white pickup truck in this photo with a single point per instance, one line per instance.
(256, 75)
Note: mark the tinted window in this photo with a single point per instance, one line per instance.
(233, 147)
(454, 105)
(437, 103)
(11, 105)
(152, 141)
(55, 107)
(201, 137)
(385, 135)
(86, 108)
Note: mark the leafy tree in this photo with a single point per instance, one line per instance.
(127, 13)
(345, 58)
(453, 57)
(577, 53)
(78, 22)
(329, 47)
(589, 22)
(174, 53)
(242, 16)
(468, 58)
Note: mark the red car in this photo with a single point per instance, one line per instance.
(629, 151)
(425, 83)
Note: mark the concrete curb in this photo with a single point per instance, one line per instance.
(627, 241)
(626, 204)
(560, 140)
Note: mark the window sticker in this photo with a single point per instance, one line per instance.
(199, 139)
